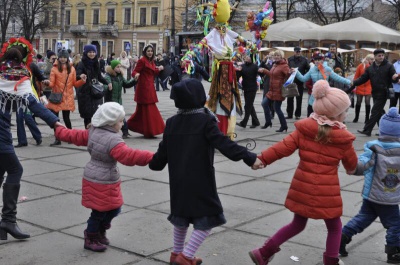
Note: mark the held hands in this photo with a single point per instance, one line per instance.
(46, 82)
(83, 77)
(258, 164)
(160, 67)
(261, 70)
(137, 76)
(58, 124)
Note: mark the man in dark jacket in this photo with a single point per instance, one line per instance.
(249, 71)
(300, 62)
(381, 74)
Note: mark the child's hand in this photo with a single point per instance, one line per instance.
(351, 172)
(258, 164)
(58, 124)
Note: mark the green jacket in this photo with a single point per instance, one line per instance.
(118, 83)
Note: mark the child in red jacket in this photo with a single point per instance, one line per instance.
(323, 141)
(101, 181)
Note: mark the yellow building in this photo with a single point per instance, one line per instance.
(113, 25)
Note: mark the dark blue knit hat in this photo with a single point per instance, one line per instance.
(89, 48)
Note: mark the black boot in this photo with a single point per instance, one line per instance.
(343, 242)
(56, 142)
(367, 112)
(8, 223)
(358, 108)
(393, 254)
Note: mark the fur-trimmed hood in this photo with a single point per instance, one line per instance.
(110, 71)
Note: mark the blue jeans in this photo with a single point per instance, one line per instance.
(101, 219)
(30, 122)
(277, 107)
(388, 214)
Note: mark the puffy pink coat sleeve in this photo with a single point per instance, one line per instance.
(131, 157)
(77, 137)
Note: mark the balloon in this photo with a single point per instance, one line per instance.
(266, 6)
(241, 49)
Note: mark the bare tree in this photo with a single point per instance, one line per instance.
(34, 16)
(291, 7)
(6, 12)
(396, 4)
(329, 11)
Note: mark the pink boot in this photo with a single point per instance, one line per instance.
(92, 242)
(332, 261)
(102, 234)
(265, 254)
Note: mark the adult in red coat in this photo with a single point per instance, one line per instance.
(323, 141)
(365, 89)
(147, 119)
(278, 75)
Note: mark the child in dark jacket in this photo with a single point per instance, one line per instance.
(101, 181)
(188, 147)
(119, 83)
(380, 165)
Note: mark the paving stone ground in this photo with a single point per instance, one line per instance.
(141, 235)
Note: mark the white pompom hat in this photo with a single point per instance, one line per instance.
(108, 114)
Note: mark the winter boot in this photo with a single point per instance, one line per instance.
(8, 223)
(174, 255)
(358, 107)
(393, 254)
(102, 234)
(332, 261)
(265, 254)
(92, 242)
(343, 242)
(367, 112)
(183, 260)
(56, 142)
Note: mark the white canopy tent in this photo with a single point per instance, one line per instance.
(358, 29)
(290, 30)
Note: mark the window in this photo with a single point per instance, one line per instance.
(142, 16)
(67, 17)
(110, 16)
(141, 47)
(154, 48)
(54, 18)
(127, 18)
(110, 47)
(154, 15)
(96, 15)
(46, 45)
(54, 45)
(81, 17)
(46, 17)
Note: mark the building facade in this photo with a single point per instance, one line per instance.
(112, 26)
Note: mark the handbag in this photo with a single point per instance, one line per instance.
(96, 89)
(390, 93)
(56, 98)
(290, 91)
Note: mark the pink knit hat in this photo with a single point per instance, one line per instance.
(329, 101)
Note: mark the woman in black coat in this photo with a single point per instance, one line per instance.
(89, 65)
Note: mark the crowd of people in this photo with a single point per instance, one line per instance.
(191, 136)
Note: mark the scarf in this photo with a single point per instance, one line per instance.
(322, 70)
(15, 92)
(195, 111)
(323, 120)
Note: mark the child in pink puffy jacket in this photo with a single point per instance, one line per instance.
(101, 181)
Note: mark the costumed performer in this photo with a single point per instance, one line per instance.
(15, 89)
(224, 97)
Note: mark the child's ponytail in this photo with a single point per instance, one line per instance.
(323, 134)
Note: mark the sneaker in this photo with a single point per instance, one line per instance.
(183, 260)
(173, 256)
(56, 142)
